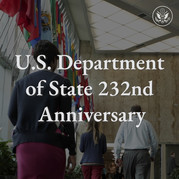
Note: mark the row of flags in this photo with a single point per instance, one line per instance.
(48, 20)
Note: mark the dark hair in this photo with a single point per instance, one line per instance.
(136, 108)
(45, 47)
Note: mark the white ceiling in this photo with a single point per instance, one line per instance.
(117, 26)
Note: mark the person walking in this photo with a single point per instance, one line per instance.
(93, 145)
(137, 142)
(40, 146)
(171, 165)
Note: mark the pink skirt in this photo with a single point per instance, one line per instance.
(40, 161)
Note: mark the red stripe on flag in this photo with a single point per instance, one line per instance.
(10, 7)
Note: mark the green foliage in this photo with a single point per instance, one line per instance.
(8, 164)
(175, 174)
(76, 174)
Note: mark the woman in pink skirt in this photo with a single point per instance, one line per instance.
(40, 146)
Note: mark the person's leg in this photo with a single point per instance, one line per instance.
(96, 172)
(143, 165)
(129, 164)
(86, 171)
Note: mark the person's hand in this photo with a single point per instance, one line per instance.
(119, 162)
(72, 161)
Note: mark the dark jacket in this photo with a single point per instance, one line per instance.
(93, 153)
(25, 112)
(171, 165)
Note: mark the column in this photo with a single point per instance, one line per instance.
(163, 161)
(152, 171)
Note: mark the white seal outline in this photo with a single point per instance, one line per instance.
(165, 24)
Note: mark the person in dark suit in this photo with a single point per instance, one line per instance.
(40, 146)
(171, 163)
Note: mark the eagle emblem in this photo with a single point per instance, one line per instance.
(162, 16)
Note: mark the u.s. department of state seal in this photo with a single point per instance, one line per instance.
(162, 16)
